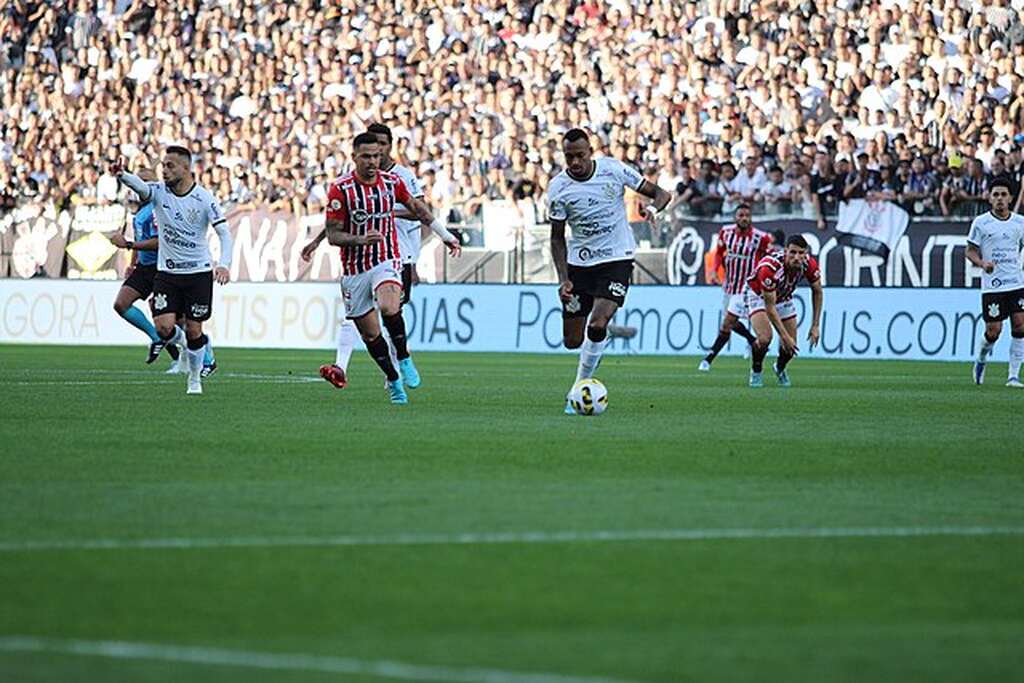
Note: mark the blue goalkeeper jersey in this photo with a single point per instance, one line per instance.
(145, 228)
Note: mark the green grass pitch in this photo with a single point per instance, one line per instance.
(326, 523)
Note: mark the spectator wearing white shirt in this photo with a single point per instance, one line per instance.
(750, 180)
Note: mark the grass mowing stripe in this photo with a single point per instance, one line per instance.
(283, 662)
(509, 538)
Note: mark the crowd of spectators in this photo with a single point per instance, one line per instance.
(793, 104)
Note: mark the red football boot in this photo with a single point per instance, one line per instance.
(334, 375)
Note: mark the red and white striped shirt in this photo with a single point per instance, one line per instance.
(771, 275)
(362, 208)
(740, 250)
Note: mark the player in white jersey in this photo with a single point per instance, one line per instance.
(407, 228)
(184, 212)
(595, 266)
(994, 244)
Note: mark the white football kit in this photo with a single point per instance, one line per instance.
(1001, 242)
(595, 211)
(409, 231)
(183, 222)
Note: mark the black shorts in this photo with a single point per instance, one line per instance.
(998, 306)
(141, 280)
(603, 281)
(406, 282)
(190, 295)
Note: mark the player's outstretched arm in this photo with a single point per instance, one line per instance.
(660, 196)
(817, 302)
(131, 181)
(307, 251)
(152, 244)
(421, 212)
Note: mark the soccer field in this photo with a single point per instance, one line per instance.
(866, 524)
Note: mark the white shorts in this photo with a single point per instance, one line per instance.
(359, 291)
(755, 304)
(737, 305)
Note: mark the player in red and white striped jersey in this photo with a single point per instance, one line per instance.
(769, 299)
(740, 247)
(360, 219)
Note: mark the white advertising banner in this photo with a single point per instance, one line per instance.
(911, 323)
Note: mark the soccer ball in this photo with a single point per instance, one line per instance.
(588, 397)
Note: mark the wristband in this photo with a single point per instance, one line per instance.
(437, 227)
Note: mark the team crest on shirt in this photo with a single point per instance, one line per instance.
(192, 215)
(993, 310)
(160, 302)
(611, 190)
(335, 204)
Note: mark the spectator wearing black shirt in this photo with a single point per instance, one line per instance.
(823, 188)
(862, 183)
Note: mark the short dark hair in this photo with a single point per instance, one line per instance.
(797, 240)
(180, 151)
(364, 139)
(575, 135)
(775, 168)
(380, 129)
(1002, 181)
(741, 206)
(779, 236)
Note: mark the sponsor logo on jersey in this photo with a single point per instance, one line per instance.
(199, 310)
(586, 253)
(996, 282)
(617, 288)
(185, 244)
(174, 265)
(362, 216)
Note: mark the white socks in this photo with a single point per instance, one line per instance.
(590, 357)
(1016, 356)
(347, 337)
(985, 350)
(179, 338)
(195, 360)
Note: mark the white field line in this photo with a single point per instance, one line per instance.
(499, 538)
(283, 662)
(163, 378)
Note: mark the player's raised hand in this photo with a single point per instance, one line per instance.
(221, 275)
(372, 237)
(117, 166)
(565, 291)
(454, 247)
(813, 335)
(308, 251)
